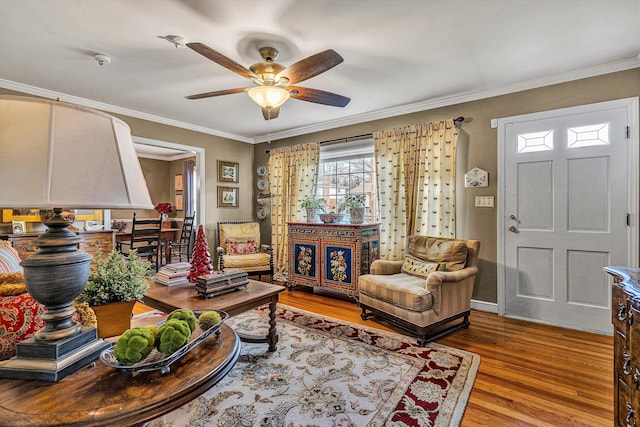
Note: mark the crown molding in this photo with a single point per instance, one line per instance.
(45, 93)
(187, 151)
(578, 74)
(581, 73)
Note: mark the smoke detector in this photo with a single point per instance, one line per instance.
(102, 59)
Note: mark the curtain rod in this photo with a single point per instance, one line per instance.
(366, 135)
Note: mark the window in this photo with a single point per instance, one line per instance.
(348, 168)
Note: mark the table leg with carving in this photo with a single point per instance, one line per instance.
(272, 335)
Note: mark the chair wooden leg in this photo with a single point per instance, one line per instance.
(425, 334)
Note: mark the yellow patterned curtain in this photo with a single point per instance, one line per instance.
(416, 169)
(292, 177)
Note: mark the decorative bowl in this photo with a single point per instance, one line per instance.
(333, 218)
(157, 361)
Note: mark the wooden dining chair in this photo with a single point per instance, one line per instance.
(145, 239)
(181, 248)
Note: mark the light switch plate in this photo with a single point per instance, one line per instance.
(484, 201)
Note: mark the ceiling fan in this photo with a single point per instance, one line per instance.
(274, 81)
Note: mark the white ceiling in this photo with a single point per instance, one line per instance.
(399, 56)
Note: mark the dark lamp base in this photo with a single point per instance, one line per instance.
(53, 360)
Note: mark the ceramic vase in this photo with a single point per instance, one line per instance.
(357, 215)
(312, 215)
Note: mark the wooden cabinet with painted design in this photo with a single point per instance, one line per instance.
(331, 256)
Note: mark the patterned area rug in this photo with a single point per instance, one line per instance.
(327, 372)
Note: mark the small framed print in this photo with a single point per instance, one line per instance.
(178, 201)
(178, 182)
(227, 171)
(227, 197)
(18, 227)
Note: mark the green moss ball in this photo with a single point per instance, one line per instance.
(186, 315)
(209, 319)
(134, 345)
(173, 335)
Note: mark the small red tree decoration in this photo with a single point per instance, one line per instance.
(201, 257)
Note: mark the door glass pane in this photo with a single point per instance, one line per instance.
(587, 136)
(536, 141)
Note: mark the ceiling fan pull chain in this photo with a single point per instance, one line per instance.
(269, 126)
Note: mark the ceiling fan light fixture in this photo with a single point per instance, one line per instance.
(268, 96)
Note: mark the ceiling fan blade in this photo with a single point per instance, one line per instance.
(216, 93)
(270, 115)
(318, 96)
(220, 59)
(312, 66)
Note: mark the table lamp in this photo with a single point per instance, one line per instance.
(55, 155)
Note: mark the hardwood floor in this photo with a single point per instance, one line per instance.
(530, 374)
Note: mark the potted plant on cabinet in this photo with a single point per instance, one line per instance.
(313, 206)
(115, 283)
(355, 205)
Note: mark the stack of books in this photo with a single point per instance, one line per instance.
(173, 274)
(221, 282)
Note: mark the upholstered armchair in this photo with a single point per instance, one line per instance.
(427, 291)
(239, 247)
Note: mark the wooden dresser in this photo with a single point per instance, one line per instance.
(625, 315)
(331, 256)
(93, 240)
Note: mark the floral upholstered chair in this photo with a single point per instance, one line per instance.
(427, 291)
(19, 312)
(239, 247)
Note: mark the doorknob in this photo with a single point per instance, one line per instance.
(513, 217)
(513, 229)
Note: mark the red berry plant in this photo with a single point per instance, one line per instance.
(164, 208)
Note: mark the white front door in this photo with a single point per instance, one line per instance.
(567, 212)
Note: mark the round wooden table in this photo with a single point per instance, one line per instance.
(102, 396)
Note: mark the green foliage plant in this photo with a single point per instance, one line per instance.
(115, 278)
(312, 203)
(351, 201)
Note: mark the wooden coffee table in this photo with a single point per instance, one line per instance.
(97, 395)
(255, 294)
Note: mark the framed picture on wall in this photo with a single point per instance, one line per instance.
(227, 171)
(178, 201)
(227, 197)
(178, 182)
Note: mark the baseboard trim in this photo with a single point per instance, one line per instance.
(490, 307)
